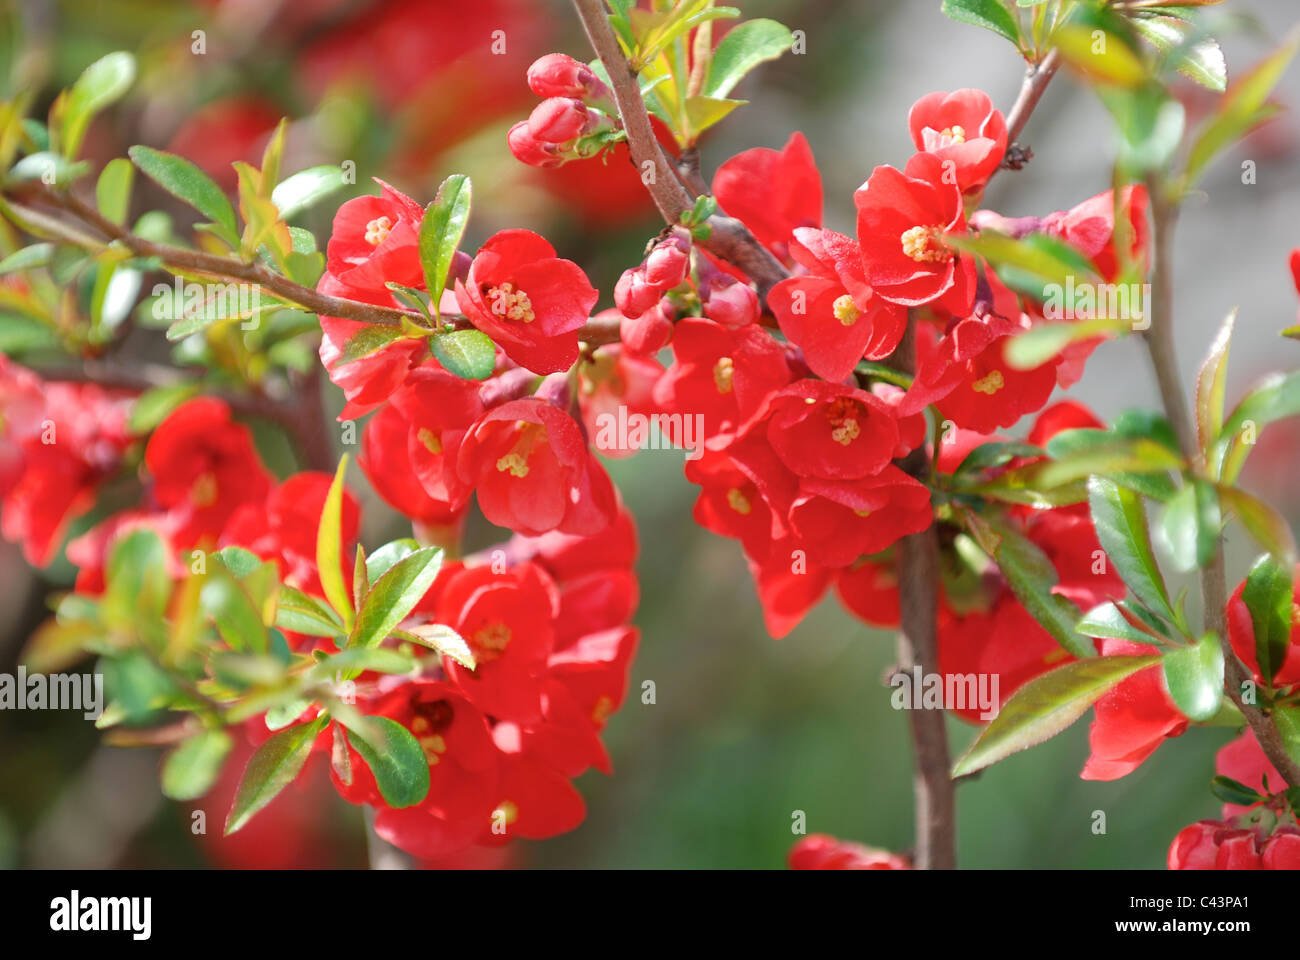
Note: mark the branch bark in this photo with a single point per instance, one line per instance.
(1160, 345)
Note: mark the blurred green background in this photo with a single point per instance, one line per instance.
(745, 730)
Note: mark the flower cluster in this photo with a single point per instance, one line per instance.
(565, 125)
(821, 852)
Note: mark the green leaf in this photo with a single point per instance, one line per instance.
(466, 353)
(1036, 346)
(369, 339)
(1262, 521)
(356, 660)
(1211, 382)
(138, 584)
(154, 405)
(282, 714)
(394, 595)
(396, 759)
(239, 561)
(996, 454)
(703, 112)
(1269, 596)
(1046, 705)
(1200, 59)
(237, 618)
(1121, 524)
(1273, 398)
(329, 537)
(298, 192)
(27, 258)
(441, 231)
(445, 640)
(1191, 525)
(1194, 676)
(184, 181)
(192, 768)
(303, 614)
(113, 189)
(1288, 725)
(1105, 60)
(1107, 621)
(102, 83)
(1030, 575)
(741, 50)
(273, 767)
(1233, 791)
(988, 14)
(1242, 107)
(382, 560)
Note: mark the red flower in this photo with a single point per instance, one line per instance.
(1131, 720)
(961, 128)
(527, 300)
(719, 373)
(831, 312)
(869, 590)
(903, 220)
(1244, 761)
(821, 852)
(376, 240)
(203, 467)
(386, 458)
(788, 585)
(533, 472)
(1218, 845)
(1090, 227)
(838, 521)
(772, 191)
(614, 379)
(1241, 631)
(439, 407)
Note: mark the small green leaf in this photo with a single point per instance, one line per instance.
(138, 584)
(329, 537)
(1211, 382)
(192, 768)
(988, 14)
(1046, 705)
(1273, 398)
(1233, 791)
(273, 767)
(1191, 525)
(369, 339)
(102, 83)
(1194, 676)
(446, 641)
(382, 560)
(396, 759)
(1269, 528)
(1106, 59)
(466, 353)
(441, 231)
(1269, 596)
(741, 50)
(355, 660)
(1107, 621)
(184, 181)
(394, 595)
(153, 406)
(237, 618)
(1288, 725)
(301, 613)
(113, 189)
(298, 192)
(282, 714)
(1121, 525)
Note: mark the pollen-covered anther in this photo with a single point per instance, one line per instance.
(954, 134)
(724, 372)
(506, 301)
(204, 491)
(513, 463)
(739, 502)
(432, 442)
(491, 641)
(845, 432)
(845, 310)
(433, 746)
(924, 245)
(990, 384)
(377, 230)
(842, 416)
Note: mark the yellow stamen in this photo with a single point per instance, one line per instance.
(724, 372)
(433, 745)
(431, 441)
(512, 304)
(990, 384)
(601, 711)
(491, 641)
(739, 502)
(377, 230)
(204, 491)
(954, 134)
(845, 310)
(923, 244)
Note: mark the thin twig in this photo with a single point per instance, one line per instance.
(1160, 345)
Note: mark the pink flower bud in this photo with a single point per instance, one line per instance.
(528, 149)
(648, 333)
(560, 119)
(559, 75)
(730, 302)
(668, 263)
(633, 295)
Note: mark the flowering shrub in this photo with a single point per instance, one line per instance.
(840, 399)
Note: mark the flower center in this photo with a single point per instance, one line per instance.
(924, 245)
(601, 711)
(204, 491)
(846, 311)
(377, 230)
(954, 134)
(491, 641)
(508, 302)
(990, 384)
(739, 502)
(431, 441)
(724, 372)
(515, 461)
(841, 414)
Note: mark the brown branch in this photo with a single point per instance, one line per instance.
(1037, 77)
(1160, 345)
(917, 567)
(729, 238)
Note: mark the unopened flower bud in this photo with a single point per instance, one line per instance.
(559, 75)
(650, 332)
(560, 120)
(730, 302)
(668, 262)
(633, 294)
(528, 149)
